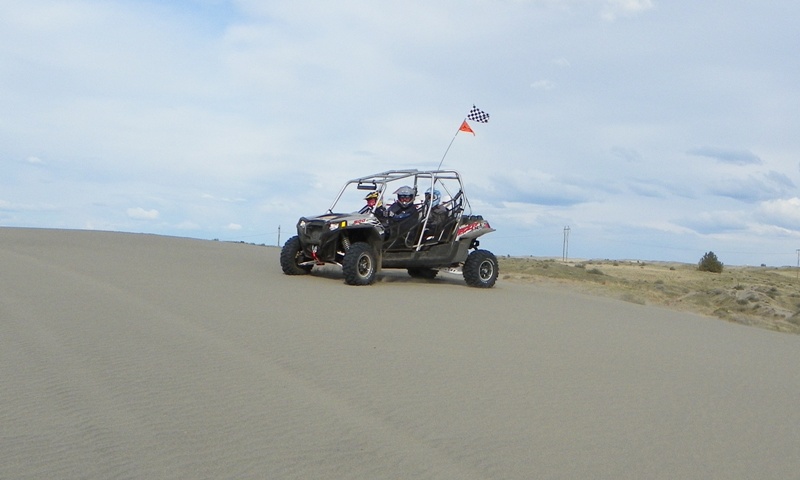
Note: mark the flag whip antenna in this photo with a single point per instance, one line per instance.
(448, 147)
(476, 115)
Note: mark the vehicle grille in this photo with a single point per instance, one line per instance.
(312, 233)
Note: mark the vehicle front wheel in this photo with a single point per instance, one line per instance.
(360, 264)
(291, 255)
(481, 269)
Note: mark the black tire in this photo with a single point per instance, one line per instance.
(291, 255)
(481, 269)
(426, 273)
(360, 264)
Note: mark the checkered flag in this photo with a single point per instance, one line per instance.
(478, 115)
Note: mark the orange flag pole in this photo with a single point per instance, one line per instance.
(463, 128)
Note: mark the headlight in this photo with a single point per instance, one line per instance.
(334, 226)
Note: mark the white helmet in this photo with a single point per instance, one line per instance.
(436, 198)
(405, 195)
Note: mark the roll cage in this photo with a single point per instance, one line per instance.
(454, 202)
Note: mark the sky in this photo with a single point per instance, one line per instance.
(653, 129)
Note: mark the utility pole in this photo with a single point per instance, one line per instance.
(279, 235)
(565, 248)
(798, 263)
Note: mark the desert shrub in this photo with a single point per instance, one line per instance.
(710, 263)
(595, 271)
(631, 298)
(773, 292)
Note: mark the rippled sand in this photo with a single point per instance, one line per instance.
(144, 357)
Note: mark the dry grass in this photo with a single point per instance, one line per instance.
(760, 296)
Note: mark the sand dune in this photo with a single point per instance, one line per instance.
(142, 357)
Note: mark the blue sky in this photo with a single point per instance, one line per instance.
(655, 130)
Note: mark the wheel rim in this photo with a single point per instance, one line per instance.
(364, 265)
(486, 270)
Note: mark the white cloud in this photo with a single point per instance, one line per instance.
(543, 85)
(140, 213)
(715, 222)
(208, 196)
(782, 212)
(27, 207)
(562, 62)
(627, 154)
(187, 225)
(233, 226)
(614, 8)
(727, 155)
(752, 188)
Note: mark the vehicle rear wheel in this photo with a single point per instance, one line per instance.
(360, 264)
(427, 273)
(291, 256)
(481, 269)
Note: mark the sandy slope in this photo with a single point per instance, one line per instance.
(134, 356)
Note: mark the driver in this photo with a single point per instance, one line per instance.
(371, 199)
(403, 208)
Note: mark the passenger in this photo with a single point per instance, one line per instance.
(437, 217)
(433, 201)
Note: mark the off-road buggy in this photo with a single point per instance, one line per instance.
(439, 233)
